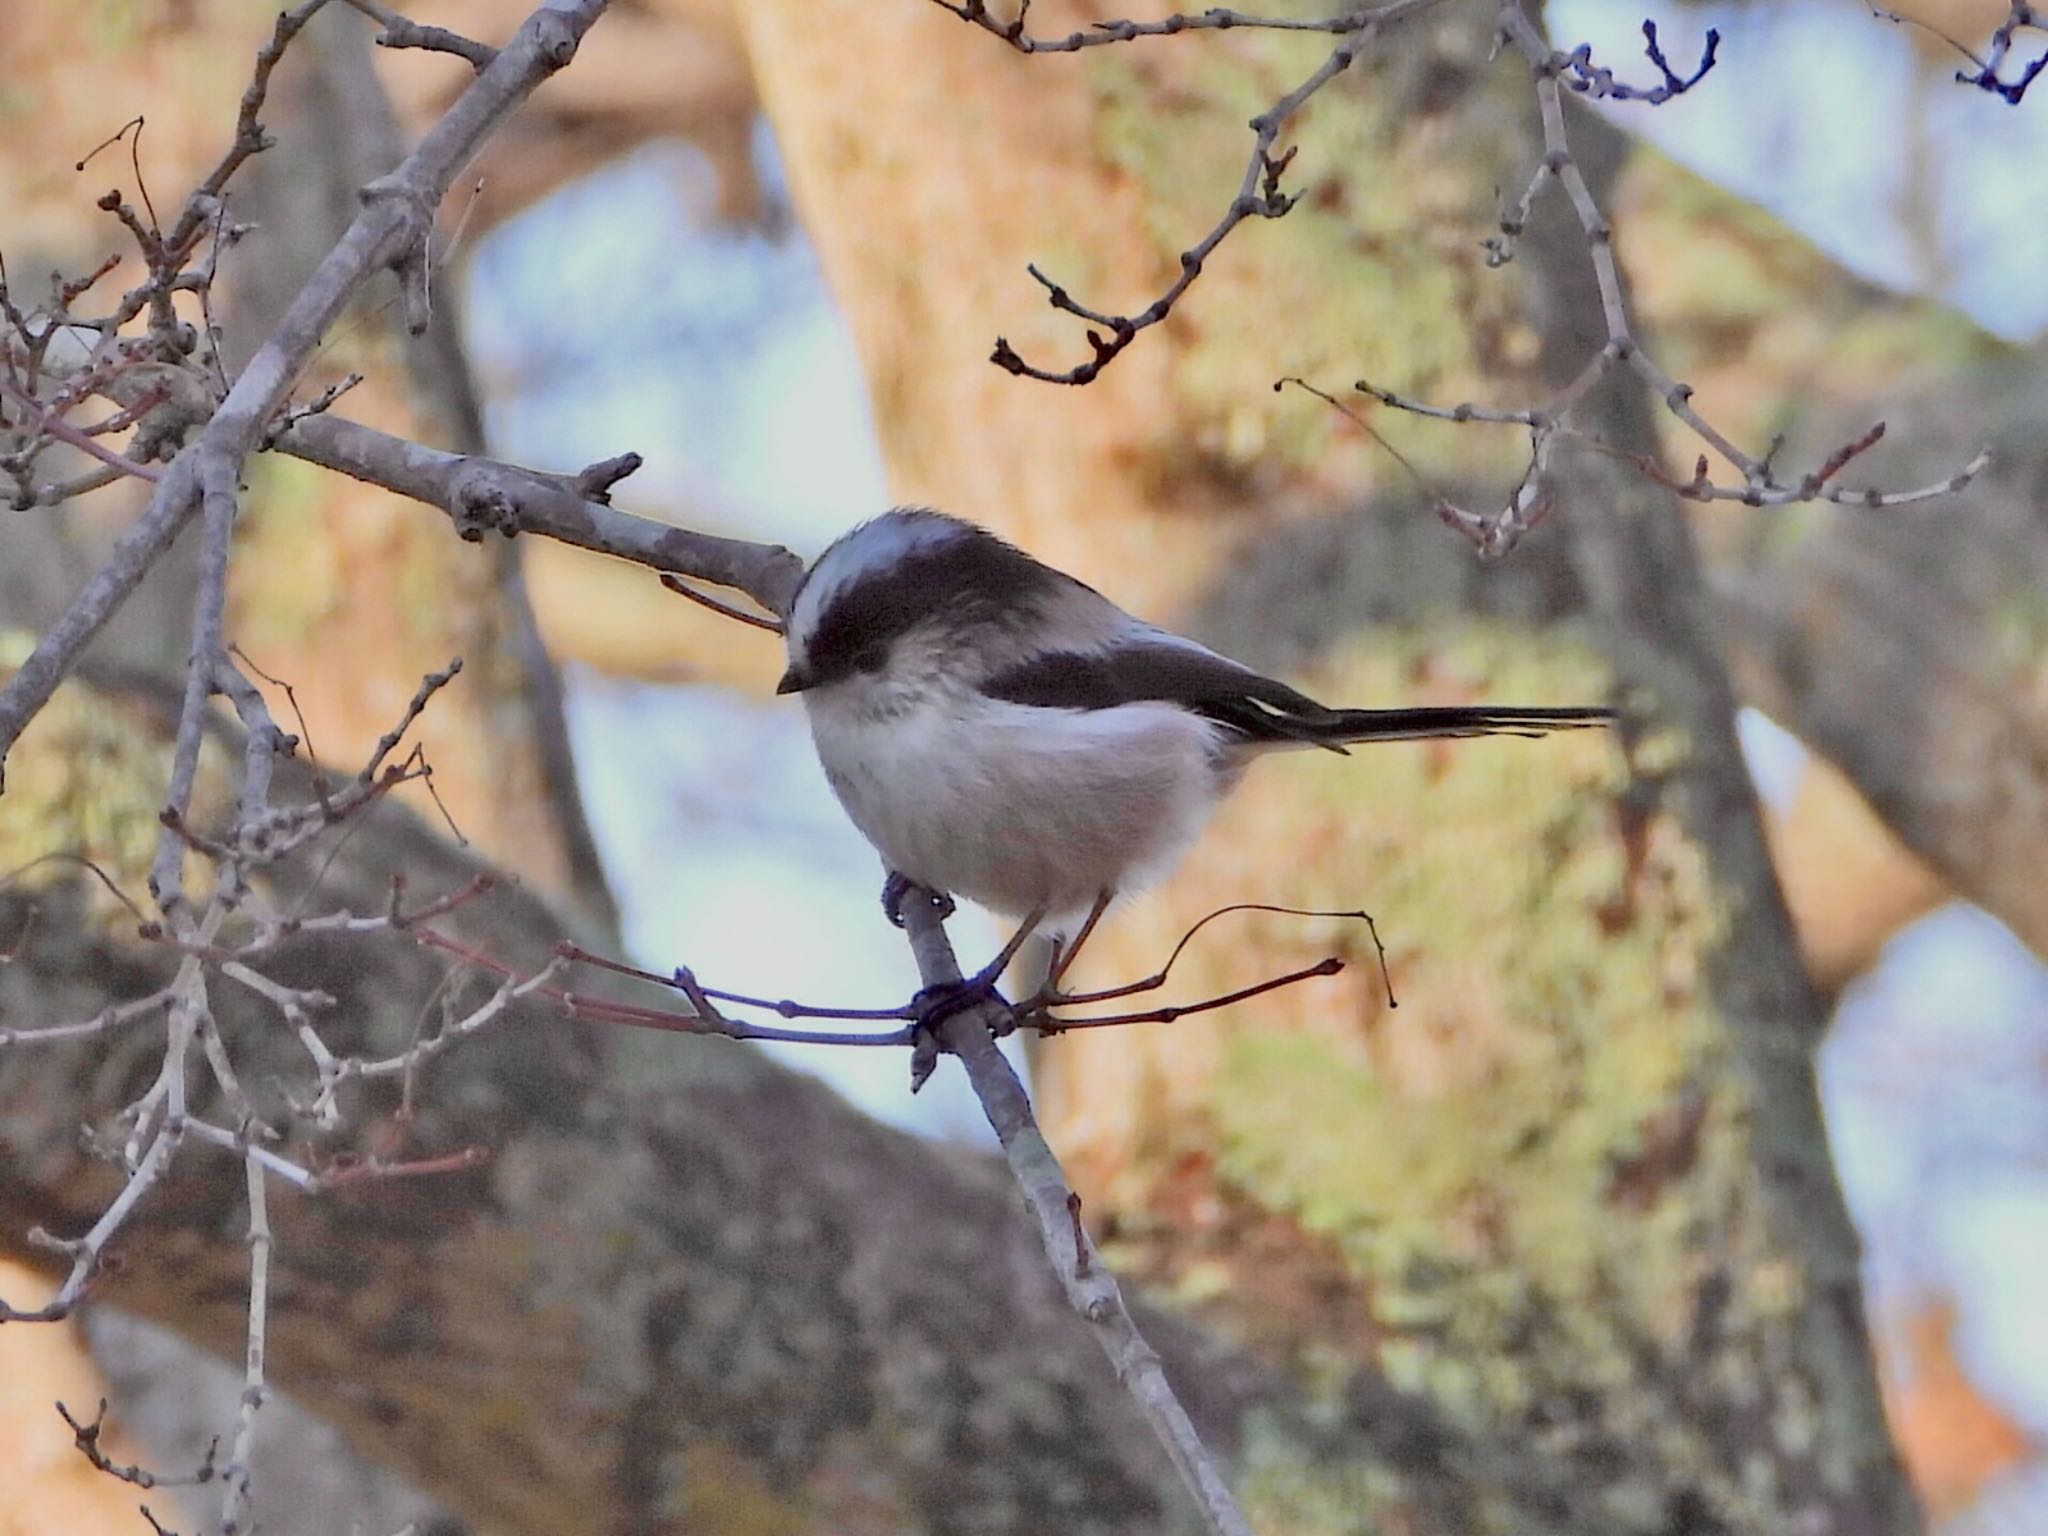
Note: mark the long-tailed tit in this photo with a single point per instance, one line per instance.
(1000, 731)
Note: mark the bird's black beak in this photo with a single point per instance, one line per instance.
(793, 681)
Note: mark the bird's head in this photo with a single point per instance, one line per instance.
(911, 579)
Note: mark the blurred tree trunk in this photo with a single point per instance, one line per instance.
(1850, 883)
(1576, 1190)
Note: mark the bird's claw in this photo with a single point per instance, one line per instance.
(932, 1007)
(897, 889)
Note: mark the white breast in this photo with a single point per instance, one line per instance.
(1011, 806)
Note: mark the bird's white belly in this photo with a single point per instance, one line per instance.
(1016, 807)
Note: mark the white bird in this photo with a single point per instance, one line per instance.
(1002, 732)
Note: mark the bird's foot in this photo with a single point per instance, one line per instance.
(935, 1005)
(899, 888)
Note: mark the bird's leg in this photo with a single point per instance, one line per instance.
(1063, 959)
(897, 888)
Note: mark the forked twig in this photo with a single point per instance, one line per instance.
(1050, 1025)
(1258, 193)
(85, 1438)
(1159, 978)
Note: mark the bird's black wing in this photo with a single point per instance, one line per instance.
(1256, 707)
(1253, 705)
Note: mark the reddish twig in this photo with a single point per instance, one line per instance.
(1046, 1024)
(52, 425)
(682, 588)
(86, 1439)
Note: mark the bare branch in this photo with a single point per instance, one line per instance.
(313, 407)
(1059, 1024)
(255, 1391)
(50, 423)
(109, 1018)
(161, 1124)
(483, 495)
(86, 1438)
(399, 32)
(1495, 533)
(1985, 75)
(166, 872)
(1215, 19)
(1578, 71)
(390, 226)
(1258, 194)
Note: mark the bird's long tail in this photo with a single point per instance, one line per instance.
(1339, 728)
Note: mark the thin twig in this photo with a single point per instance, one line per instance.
(86, 1253)
(85, 1438)
(399, 32)
(1102, 33)
(1258, 194)
(1985, 76)
(166, 871)
(255, 1391)
(52, 425)
(109, 1018)
(681, 588)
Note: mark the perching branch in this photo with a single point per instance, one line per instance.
(1090, 1288)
